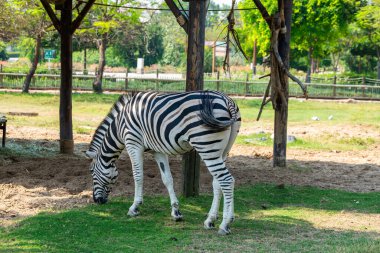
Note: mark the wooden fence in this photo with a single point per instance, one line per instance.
(358, 88)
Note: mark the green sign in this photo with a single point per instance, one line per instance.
(49, 54)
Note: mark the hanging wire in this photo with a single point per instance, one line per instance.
(161, 9)
(183, 10)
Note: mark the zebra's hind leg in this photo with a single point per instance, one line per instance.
(167, 179)
(136, 156)
(213, 213)
(226, 182)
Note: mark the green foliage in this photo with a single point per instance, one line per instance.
(26, 47)
(284, 225)
(317, 26)
(368, 19)
(3, 53)
(318, 23)
(174, 41)
(254, 27)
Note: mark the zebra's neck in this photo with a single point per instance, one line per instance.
(112, 145)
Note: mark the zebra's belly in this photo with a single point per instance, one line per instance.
(168, 147)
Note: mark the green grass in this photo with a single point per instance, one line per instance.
(292, 221)
(301, 111)
(325, 142)
(88, 109)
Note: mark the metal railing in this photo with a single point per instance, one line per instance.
(360, 88)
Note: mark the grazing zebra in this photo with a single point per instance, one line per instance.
(168, 124)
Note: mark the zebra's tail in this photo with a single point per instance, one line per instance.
(207, 114)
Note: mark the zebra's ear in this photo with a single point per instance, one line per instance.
(90, 154)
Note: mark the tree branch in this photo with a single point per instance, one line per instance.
(283, 68)
(264, 101)
(263, 11)
(53, 17)
(181, 19)
(82, 14)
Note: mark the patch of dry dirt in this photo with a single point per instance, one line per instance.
(28, 186)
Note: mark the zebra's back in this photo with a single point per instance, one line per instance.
(176, 123)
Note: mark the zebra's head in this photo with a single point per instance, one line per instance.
(104, 175)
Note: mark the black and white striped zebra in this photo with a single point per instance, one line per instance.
(169, 124)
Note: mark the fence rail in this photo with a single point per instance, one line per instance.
(360, 88)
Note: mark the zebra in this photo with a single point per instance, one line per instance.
(168, 124)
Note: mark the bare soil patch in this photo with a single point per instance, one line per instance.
(28, 186)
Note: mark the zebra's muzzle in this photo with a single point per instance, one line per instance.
(100, 199)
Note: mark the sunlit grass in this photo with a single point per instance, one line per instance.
(301, 112)
(268, 219)
(326, 142)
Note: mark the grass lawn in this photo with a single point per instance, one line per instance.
(268, 219)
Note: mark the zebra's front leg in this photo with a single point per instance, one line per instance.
(167, 179)
(136, 156)
(213, 213)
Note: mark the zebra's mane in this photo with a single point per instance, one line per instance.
(101, 130)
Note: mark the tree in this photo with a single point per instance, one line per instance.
(105, 22)
(255, 28)
(174, 41)
(35, 24)
(317, 23)
(368, 19)
(10, 22)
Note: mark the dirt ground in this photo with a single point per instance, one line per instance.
(28, 186)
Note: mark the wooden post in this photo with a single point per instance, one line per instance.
(217, 81)
(281, 112)
(334, 86)
(1, 76)
(157, 86)
(363, 88)
(254, 58)
(194, 81)
(246, 85)
(213, 57)
(66, 27)
(65, 106)
(85, 71)
(126, 80)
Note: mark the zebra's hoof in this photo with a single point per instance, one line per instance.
(134, 213)
(177, 215)
(178, 218)
(226, 231)
(209, 225)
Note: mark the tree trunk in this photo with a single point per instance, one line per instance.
(65, 98)
(308, 74)
(378, 63)
(85, 71)
(194, 81)
(281, 106)
(32, 70)
(102, 45)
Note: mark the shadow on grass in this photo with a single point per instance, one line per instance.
(107, 228)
